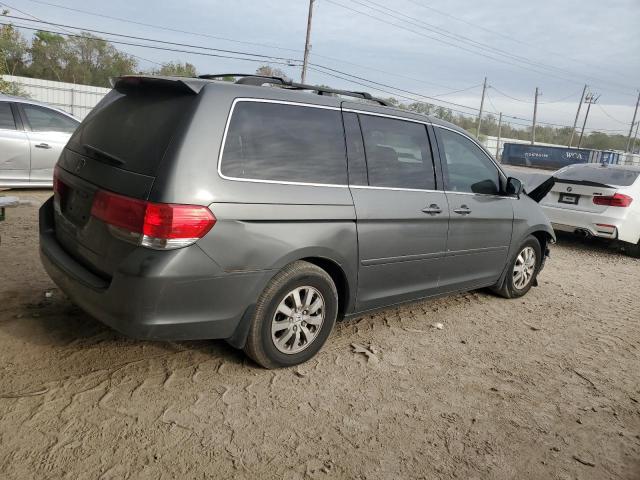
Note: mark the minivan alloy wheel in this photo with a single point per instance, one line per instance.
(298, 320)
(524, 268)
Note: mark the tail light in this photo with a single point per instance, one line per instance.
(161, 226)
(617, 200)
(58, 185)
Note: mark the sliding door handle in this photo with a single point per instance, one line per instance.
(432, 209)
(46, 146)
(463, 210)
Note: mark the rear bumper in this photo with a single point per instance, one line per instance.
(161, 295)
(595, 224)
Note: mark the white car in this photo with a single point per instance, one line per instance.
(32, 136)
(597, 200)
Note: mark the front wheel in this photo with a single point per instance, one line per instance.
(293, 317)
(522, 270)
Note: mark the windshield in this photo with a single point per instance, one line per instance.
(605, 175)
(132, 129)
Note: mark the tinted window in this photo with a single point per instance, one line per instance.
(135, 126)
(42, 119)
(467, 167)
(398, 153)
(606, 175)
(6, 117)
(270, 141)
(355, 150)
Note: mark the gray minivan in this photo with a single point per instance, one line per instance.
(261, 211)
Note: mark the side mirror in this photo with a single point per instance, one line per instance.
(514, 187)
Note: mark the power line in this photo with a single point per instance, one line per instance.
(354, 79)
(455, 37)
(607, 114)
(118, 42)
(170, 29)
(274, 60)
(500, 34)
(40, 20)
(134, 37)
(227, 39)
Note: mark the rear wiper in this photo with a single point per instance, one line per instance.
(103, 156)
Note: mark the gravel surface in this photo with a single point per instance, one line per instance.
(544, 387)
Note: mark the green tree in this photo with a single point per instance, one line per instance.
(93, 61)
(269, 71)
(177, 69)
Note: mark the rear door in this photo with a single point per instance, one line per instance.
(48, 132)
(402, 217)
(14, 146)
(481, 220)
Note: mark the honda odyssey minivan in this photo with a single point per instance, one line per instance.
(261, 211)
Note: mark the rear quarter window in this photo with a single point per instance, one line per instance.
(281, 142)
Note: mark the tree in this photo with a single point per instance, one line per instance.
(177, 69)
(269, 71)
(93, 61)
(13, 53)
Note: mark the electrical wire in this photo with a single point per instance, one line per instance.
(475, 52)
(500, 34)
(118, 42)
(289, 62)
(227, 39)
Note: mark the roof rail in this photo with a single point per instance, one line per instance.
(259, 80)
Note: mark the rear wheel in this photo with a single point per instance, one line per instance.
(293, 317)
(523, 270)
(633, 250)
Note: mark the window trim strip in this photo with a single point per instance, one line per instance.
(259, 180)
(333, 185)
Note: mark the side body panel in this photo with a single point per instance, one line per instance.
(261, 225)
(46, 148)
(15, 155)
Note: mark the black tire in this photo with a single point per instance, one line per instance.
(508, 289)
(260, 345)
(632, 250)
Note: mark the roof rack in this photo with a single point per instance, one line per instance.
(259, 80)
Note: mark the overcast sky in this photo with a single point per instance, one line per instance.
(436, 46)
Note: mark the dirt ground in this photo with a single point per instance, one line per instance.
(544, 387)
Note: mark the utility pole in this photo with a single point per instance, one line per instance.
(589, 100)
(307, 46)
(535, 114)
(499, 135)
(633, 122)
(575, 122)
(635, 137)
(484, 90)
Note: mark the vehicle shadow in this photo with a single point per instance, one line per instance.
(55, 326)
(587, 244)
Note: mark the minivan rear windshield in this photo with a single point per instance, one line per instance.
(604, 175)
(131, 129)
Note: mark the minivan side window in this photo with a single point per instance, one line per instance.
(466, 167)
(6, 117)
(398, 153)
(282, 142)
(45, 120)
